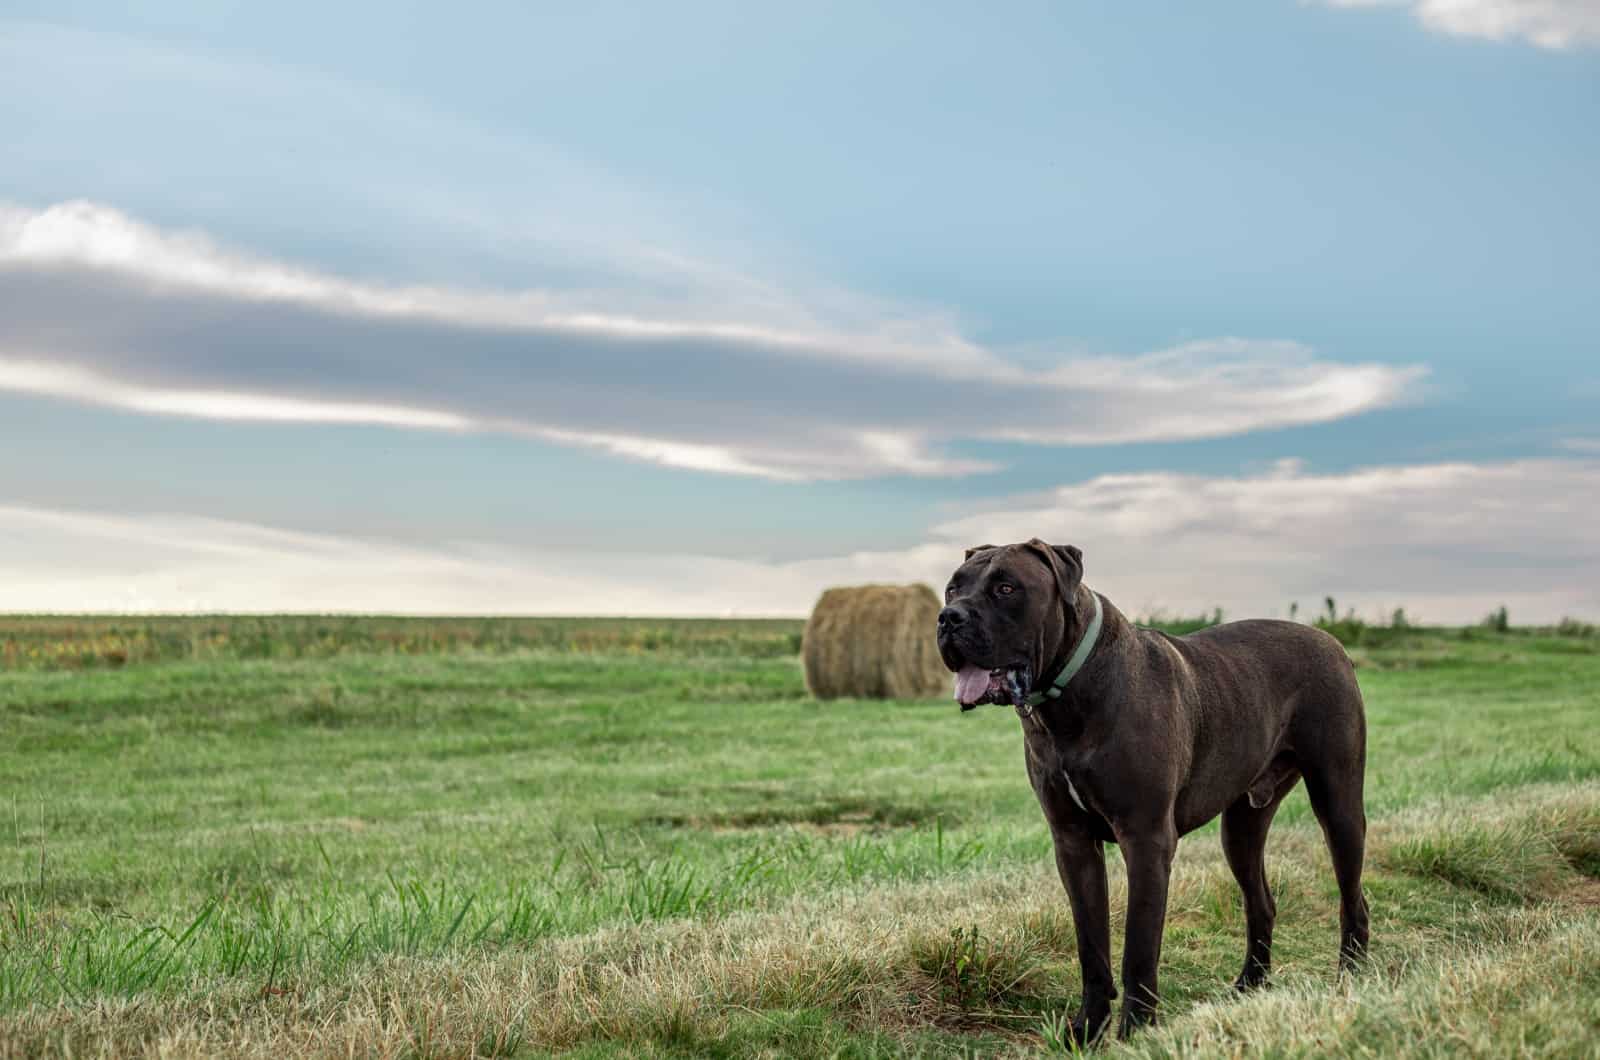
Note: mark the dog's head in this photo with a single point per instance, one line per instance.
(1004, 618)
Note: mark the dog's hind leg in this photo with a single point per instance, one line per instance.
(1244, 841)
(1334, 783)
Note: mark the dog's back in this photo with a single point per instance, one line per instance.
(1263, 700)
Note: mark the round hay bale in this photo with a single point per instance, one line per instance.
(874, 642)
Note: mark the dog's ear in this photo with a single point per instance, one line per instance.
(1064, 561)
(1073, 555)
(975, 549)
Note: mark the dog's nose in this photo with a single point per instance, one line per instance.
(951, 617)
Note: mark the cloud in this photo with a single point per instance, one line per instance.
(88, 561)
(78, 384)
(1553, 24)
(1448, 542)
(489, 198)
(84, 235)
(98, 307)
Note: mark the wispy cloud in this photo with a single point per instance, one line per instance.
(1554, 24)
(84, 235)
(75, 561)
(77, 384)
(99, 307)
(1449, 542)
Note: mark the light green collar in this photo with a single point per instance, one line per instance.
(1080, 655)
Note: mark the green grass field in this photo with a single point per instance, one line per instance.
(432, 838)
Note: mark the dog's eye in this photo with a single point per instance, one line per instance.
(949, 591)
(1005, 588)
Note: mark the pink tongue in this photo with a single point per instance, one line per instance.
(971, 683)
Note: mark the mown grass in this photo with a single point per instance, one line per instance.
(671, 850)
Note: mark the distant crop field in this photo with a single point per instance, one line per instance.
(303, 836)
(82, 642)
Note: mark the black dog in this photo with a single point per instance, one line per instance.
(1135, 737)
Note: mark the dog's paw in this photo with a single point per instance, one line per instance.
(1134, 1017)
(1252, 978)
(1087, 1030)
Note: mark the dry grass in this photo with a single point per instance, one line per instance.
(1528, 996)
(990, 951)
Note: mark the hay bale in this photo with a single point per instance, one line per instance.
(874, 642)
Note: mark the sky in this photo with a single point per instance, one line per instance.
(700, 308)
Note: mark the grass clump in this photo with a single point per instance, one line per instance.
(1510, 864)
(975, 975)
(1530, 857)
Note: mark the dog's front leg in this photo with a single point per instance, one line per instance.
(1148, 856)
(1081, 861)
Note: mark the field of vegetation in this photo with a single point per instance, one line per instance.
(284, 837)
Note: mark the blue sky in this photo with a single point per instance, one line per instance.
(700, 308)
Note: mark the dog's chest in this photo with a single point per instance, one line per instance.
(1073, 791)
(1055, 759)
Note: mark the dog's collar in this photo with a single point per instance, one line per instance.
(1080, 655)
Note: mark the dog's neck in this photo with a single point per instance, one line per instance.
(1083, 622)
